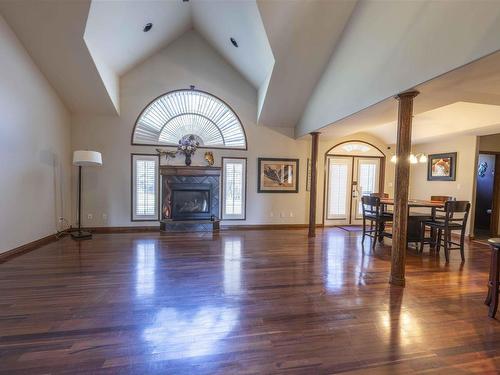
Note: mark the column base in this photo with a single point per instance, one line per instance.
(397, 281)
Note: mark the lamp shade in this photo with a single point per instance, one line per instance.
(87, 158)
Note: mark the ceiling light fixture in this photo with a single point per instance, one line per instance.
(234, 42)
(413, 159)
(148, 27)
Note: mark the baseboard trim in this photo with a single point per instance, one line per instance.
(23, 249)
(266, 226)
(138, 229)
(131, 229)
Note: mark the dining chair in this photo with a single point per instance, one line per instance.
(372, 212)
(455, 218)
(494, 279)
(441, 198)
(382, 195)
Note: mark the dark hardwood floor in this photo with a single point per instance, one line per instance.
(249, 302)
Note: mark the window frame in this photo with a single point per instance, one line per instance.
(133, 217)
(243, 216)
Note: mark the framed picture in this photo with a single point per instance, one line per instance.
(278, 175)
(442, 167)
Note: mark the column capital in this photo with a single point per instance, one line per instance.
(406, 94)
(315, 133)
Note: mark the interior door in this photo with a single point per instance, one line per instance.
(366, 177)
(338, 193)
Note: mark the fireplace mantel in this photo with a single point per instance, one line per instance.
(181, 170)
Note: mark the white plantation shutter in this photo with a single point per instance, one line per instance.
(234, 186)
(145, 187)
(338, 189)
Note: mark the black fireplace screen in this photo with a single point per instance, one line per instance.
(190, 204)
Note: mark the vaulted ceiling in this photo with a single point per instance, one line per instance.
(330, 65)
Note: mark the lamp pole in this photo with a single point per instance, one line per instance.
(79, 199)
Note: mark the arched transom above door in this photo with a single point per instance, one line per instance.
(178, 113)
(355, 148)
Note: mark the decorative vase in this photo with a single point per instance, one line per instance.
(188, 159)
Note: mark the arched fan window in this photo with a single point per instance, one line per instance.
(189, 112)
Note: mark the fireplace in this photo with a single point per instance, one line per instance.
(190, 198)
(191, 202)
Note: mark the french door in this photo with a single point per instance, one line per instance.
(348, 179)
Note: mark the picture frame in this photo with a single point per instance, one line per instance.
(442, 167)
(277, 175)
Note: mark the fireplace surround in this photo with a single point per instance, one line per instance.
(190, 198)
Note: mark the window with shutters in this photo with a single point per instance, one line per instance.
(145, 189)
(234, 188)
(172, 116)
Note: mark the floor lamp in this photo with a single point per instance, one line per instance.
(83, 159)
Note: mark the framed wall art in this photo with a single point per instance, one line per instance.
(278, 175)
(442, 167)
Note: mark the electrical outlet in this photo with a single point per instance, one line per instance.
(271, 214)
(104, 217)
(90, 216)
(292, 214)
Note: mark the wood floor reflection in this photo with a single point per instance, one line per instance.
(242, 302)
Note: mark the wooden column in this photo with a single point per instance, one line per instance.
(401, 185)
(314, 175)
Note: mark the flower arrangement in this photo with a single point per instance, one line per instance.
(188, 145)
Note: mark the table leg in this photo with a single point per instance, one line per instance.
(381, 230)
(432, 244)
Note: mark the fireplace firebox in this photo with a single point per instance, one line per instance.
(191, 202)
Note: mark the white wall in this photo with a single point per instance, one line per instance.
(34, 149)
(463, 188)
(187, 61)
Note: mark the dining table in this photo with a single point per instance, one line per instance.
(415, 219)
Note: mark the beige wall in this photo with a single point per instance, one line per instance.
(463, 187)
(188, 61)
(34, 149)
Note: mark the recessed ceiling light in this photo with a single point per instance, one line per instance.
(148, 27)
(234, 42)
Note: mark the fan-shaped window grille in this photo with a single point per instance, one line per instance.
(184, 112)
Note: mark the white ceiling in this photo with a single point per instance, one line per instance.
(302, 35)
(52, 33)
(114, 29)
(463, 101)
(218, 21)
(83, 47)
(114, 32)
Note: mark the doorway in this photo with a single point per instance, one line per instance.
(486, 212)
(353, 169)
